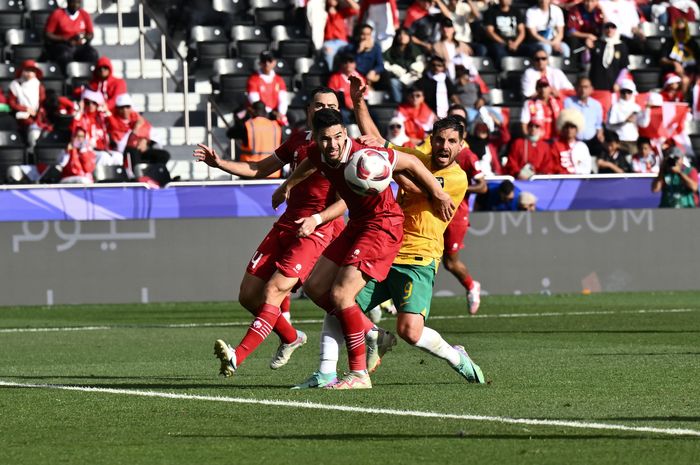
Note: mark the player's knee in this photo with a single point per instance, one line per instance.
(449, 261)
(248, 299)
(340, 298)
(409, 333)
(275, 292)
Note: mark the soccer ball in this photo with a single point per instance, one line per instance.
(368, 172)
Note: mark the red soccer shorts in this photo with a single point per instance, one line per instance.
(293, 256)
(456, 231)
(371, 247)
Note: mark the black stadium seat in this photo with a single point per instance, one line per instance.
(10, 19)
(250, 48)
(21, 52)
(295, 48)
(646, 79)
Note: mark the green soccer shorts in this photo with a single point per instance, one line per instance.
(410, 287)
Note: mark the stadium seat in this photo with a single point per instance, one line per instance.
(646, 79)
(295, 48)
(280, 32)
(8, 122)
(269, 17)
(34, 5)
(496, 97)
(232, 88)
(513, 68)
(695, 143)
(484, 65)
(257, 4)
(247, 32)
(296, 115)
(655, 45)
(38, 19)
(693, 127)
(568, 65)
(652, 29)
(639, 62)
(231, 7)
(156, 171)
(110, 174)
(250, 48)
(21, 52)
(48, 154)
(382, 114)
(10, 5)
(10, 19)
(235, 66)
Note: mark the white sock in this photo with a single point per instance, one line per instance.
(287, 316)
(431, 342)
(331, 340)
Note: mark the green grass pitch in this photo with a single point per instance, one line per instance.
(628, 360)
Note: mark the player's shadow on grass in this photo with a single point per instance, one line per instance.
(374, 436)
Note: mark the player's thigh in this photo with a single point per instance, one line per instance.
(409, 326)
(373, 294)
(411, 288)
(321, 278)
(348, 283)
(454, 236)
(277, 288)
(251, 292)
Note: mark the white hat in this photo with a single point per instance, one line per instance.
(124, 100)
(655, 99)
(93, 96)
(571, 116)
(628, 84)
(672, 78)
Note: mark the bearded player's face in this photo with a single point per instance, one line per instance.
(332, 141)
(446, 145)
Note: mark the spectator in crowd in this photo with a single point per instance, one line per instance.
(677, 181)
(438, 88)
(542, 107)
(505, 30)
(469, 86)
(68, 33)
(396, 133)
(527, 202)
(584, 24)
(314, 12)
(646, 160)
(568, 154)
(540, 69)
(624, 14)
(545, 27)
(529, 155)
(383, 15)
(462, 13)
(626, 116)
(504, 197)
(131, 133)
(368, 57)
(672, 90)
(592, 112)
(416, 115)
(78, 160)
(404, 64)
(680, 9)
(26, 97)
(450, 49)
(613, 160)
(258, 136)
(340, 82)
(609, 59)
(335, 34)
(266, 86)
(90, 117)
(681, 55)
(486, 152)
(417, 10)
(104, 81)
(425, 32)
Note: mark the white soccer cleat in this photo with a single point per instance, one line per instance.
(227, 355)
(379, 342)
(474, 298)
(285, 351)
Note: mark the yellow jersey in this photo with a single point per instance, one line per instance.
(422, 230)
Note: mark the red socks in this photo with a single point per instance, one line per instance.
(468, 282)
(352, 322)
(286, 303)
(283, 327)
(259, 329)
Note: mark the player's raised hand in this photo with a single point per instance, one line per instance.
(280, 196)
(208, 155)
(443, 206)
(357, 89)
(307, 226)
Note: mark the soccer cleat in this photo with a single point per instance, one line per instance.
(474, 298)
(352, 380)
(467, 368)
(375, 314)
(285, 351)
(227, 355)
(379, 342)
(318, 380)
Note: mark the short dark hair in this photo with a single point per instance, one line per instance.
(346, 57)
(325, 118)
(506, 187)
(321, 90)
(450, 122)
(643, 140)
(258, 108)
(611, 136)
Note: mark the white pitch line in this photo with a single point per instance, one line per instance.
(315, 321)
(374, 411)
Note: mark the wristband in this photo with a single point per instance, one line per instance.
(317, 218)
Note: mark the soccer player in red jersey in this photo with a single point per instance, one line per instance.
(457, 230)
(289, 251)
(367, 246)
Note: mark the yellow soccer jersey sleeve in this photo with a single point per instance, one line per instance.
(423, 231)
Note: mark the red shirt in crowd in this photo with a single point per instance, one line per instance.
(62, 24)
(336, 28)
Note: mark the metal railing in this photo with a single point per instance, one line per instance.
(166, 44)
(212, 106)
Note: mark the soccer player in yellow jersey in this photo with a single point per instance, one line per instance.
(412, 275)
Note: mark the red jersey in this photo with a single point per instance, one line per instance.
(117, 128)
(111, 87)
(311, 195)
(268, 92)
(96, 129)
(523, 151)
(336, 27)
(361, 208)
(341, 83)
(62, 24)
(467, 160)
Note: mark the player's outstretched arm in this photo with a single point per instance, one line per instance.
(443, 206)
(362, 116)
(309, 224)
(303, 171)
(245, 169)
